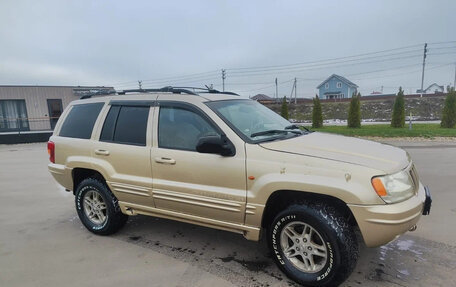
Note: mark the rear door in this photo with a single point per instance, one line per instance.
(205, 185)
(123, 150)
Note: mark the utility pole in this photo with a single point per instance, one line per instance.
(454, 83)
(140, 84)
(424, 63)
(295, 88)
(223, 79)
(277, 90)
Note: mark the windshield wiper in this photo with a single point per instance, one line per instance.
(275, 132)
(296, 127)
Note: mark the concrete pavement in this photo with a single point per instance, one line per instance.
(43, 243)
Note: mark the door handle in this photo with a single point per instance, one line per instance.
(101, 152)
(165, 160)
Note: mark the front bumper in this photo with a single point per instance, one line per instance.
(380, 224)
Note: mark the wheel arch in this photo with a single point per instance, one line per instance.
(79, 174)
(280, 199)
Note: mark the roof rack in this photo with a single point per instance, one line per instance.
(208, 90)
(98, 93)
(168, 89)
(173, 90)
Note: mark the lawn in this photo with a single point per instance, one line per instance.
(418, 130)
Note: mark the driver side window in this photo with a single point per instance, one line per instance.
(180, 128)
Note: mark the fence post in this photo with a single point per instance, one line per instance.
(18, 125)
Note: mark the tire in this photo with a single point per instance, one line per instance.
(98, 209)
(332, 246)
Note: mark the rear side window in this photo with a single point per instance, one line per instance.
(126, 125)
(80, 121)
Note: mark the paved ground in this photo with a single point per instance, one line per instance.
(42, 242)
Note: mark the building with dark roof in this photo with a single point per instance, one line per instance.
(261, 97)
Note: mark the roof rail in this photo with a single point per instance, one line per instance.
(168, 89)
(98, 93)
(208, 90)
(173, 90)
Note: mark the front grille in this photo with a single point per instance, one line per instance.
(415, 179)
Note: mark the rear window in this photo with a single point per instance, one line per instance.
(80, 121)
(126, 125)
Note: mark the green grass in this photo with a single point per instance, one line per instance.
(418, 130)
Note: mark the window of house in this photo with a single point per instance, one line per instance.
(80, 121)
(327, 86)
(13, 115)
(339, 84)
(126, 125)
(180, 128)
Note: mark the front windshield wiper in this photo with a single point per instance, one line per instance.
(295, 127)
(275, 132)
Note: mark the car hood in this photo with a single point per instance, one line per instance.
(344, 149)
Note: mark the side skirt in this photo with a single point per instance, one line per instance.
(249, 232)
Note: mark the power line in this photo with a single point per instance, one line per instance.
(326, 60)
(326, 63)
(323, 67)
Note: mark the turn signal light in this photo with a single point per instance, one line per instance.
(51, 151)
(379, 187)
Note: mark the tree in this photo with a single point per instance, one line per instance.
(398, 117)
(449, 111)
(317, 117)
(284, 111)
(354, 112)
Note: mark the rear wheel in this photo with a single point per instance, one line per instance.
(313, 244)
(98, 208)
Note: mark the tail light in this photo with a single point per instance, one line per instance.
(51, 151)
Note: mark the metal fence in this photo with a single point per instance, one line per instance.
(23, 125)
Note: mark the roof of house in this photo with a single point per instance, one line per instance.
(345, 80)
(430, 86)
(435, 84)
(261, 97)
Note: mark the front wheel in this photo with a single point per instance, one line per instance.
(98, 208)
(313, 244)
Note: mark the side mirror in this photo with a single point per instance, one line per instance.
(216, 144)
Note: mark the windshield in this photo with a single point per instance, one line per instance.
(253, 121)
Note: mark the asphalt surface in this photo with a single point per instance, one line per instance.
(43, 243)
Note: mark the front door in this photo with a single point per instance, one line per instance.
(185, 181)
(55, 109)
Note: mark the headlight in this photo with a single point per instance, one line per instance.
(394, 187)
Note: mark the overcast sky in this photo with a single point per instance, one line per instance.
(116, 43)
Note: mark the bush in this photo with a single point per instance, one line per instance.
(354, 112)
(449, 111)
(284, 111)
(398, 117)
(317, 116)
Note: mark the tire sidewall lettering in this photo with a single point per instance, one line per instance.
(278, 254)
(79, 206)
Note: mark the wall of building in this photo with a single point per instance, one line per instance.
(344, 89)
(36, 101)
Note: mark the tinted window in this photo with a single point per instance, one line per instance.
(181, 129)
(79, 122)
(107, 133)
(126, 125)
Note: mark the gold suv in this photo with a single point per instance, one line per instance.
(220, 160)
